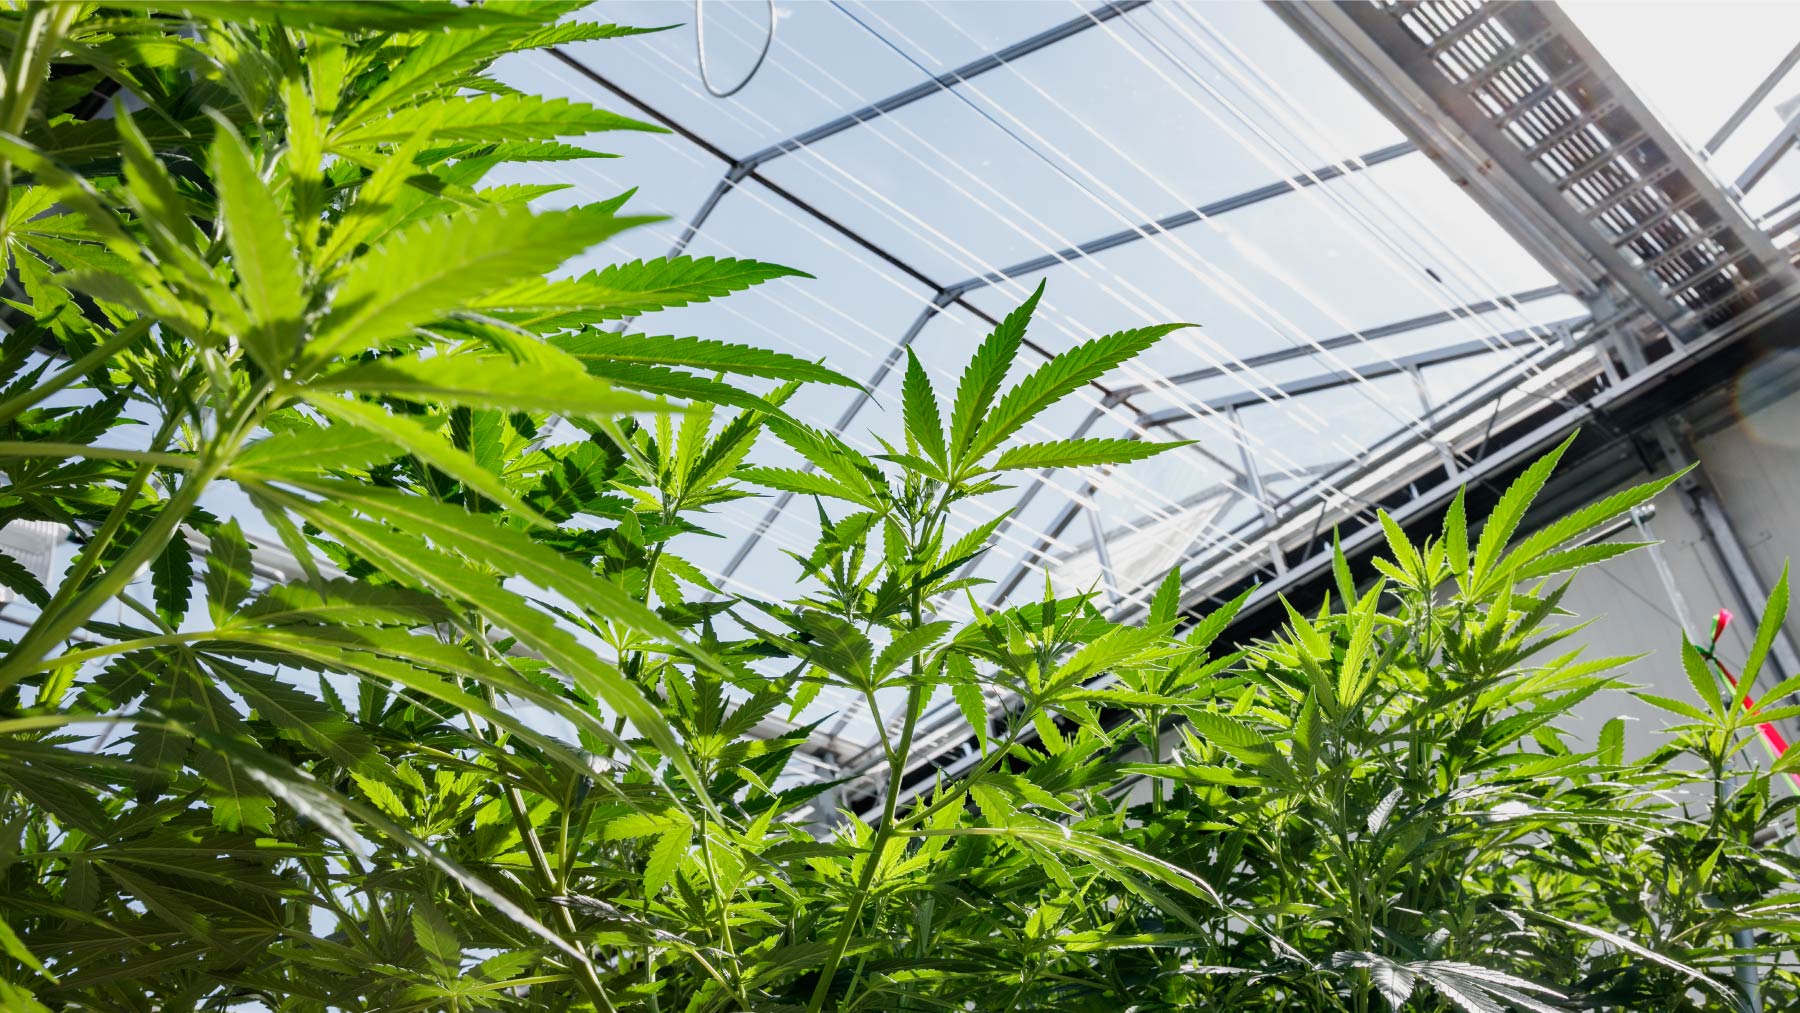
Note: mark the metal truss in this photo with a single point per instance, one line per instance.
(1520, 107)
(1517, 106)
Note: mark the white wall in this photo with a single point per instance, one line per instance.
(1754, 465)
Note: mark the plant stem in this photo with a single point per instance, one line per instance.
(94, 359)
(884, 833)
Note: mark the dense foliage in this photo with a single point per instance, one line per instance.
(491, 744)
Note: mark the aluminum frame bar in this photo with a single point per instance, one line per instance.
(1465, 311)
(945, 81)
(1748, 106)
(1122, 237)
(1521, 338)
(1483, 136)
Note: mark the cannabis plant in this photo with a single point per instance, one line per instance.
(379, 679)
(256, 282)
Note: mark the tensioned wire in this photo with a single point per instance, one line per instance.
(779, 208)
(1204, 271)
(1179, 244)
(1215, 420)
(1311, 197)
(1064, 327)
(1259, 392)
(939, 238)
(1280, 102)
(1075, 264)
(1525, 359)
(1307, 173)
(1165, 382)
(1378, 195)
(1203, 544)
(1314, 179)
(1352, 371)
(1190, 412)
(1255, 253)
(1013, 224)
(1151, 381)
(965, 191)
(1292, 117)
(1165, 314)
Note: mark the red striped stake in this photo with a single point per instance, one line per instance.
(1772, 737)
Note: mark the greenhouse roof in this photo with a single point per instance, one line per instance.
(931, 163)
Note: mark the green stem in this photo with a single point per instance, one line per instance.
(67, 614)
(43, 28)
(884, 833)
(94, 359)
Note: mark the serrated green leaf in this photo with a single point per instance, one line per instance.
(227, 571)
(1057, 379)
(626, 290)
(973, 705)
(314, 449)
(1582, 521)
(1612, 742)
(1774, 613)
(1673, 706)
(437, 940)
(1505, 517)
(441, 265)
(1700, 676)
(919, 409)
(172, 580)
(1240, 740)
(488, 381)
(302, 718)
(485, 118)
(428, 446)
(1456, 535)
(262, 252)
(986, 371)
(22, 582)
(597, 349)
(1167, 600)
(1080, 453)
(1573, 559)
(803, 483)
(665, 858)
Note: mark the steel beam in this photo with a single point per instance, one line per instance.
(925, 89)
(1522, 338)
(1593, 205)
(1355, 338)
(1168, 223)
(1748, 106)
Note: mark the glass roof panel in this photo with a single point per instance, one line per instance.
(1330, 311)
(662, 69)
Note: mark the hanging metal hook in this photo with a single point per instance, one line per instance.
(700, 50)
